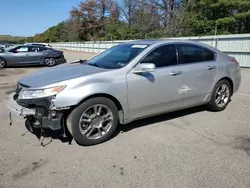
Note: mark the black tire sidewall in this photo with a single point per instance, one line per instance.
(74, 117)
(212, 105)
(5, 63)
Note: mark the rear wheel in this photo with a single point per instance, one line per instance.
(3, 63)
(221, 96)
(50, 62)
(94, 121)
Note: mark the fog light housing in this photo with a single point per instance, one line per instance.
(53, 113)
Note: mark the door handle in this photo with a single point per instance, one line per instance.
(210, 67)
(175, 73)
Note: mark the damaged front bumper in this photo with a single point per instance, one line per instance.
(16, 108)
(39, 114)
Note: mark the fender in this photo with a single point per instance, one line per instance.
(75, 95)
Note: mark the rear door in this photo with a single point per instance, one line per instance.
(34, 54)
(199, 72)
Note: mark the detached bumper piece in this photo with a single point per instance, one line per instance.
(16, 108)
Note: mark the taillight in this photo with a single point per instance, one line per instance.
(235, 61)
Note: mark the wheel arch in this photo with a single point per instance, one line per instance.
(230, 82)
(114, 99)
(4, 59)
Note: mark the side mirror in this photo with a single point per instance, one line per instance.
(144, 67)
(14, 51)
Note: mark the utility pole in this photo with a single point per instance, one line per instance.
(215, 36)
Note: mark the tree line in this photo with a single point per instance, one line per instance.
(146, 19)
(11, 39)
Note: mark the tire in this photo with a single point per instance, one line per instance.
(79, 131)
(50, 62)
(3, 63)
(213, 105)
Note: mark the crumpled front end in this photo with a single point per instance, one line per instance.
(39, 113)
(17, 109)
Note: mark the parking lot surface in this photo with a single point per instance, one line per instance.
(190, 148)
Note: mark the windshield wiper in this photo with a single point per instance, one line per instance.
(93, 64)
(81, 61)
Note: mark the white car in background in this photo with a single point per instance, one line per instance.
(2, 46)
(39, 44)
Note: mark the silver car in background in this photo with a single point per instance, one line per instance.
(30, 55)
(127, 82)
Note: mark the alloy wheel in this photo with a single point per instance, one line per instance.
(96, 121)
(50, 62)
(222, 95)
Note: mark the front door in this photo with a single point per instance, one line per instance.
(35, 54)
(158, 91)
(19, 55)
(199, 73)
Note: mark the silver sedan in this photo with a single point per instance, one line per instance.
(127, 82)
(30, 55)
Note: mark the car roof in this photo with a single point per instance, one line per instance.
(30, 45)
(154, 41)
(175, 41)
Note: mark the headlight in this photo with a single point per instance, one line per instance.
(40, 93)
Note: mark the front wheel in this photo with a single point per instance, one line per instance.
(221, 96)
(50, 62)
(94, 121)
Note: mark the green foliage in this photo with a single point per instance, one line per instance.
(11, 39)
(229, 16)
(146, 19)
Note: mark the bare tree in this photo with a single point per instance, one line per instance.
(104, 8)
(114, 11)
(128, 8)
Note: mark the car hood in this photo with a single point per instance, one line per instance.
(57, 74)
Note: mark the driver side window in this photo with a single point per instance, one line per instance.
(162, 56)
(22, 49)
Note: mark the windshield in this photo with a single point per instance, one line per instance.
(117, 56)
(10, 48)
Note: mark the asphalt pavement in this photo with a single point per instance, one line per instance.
(190, 148)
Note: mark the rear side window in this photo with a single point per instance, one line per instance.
(44, 48)
(33, 49)
(162, 56)
(193, 54)
(208, 55)
(41, 49)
